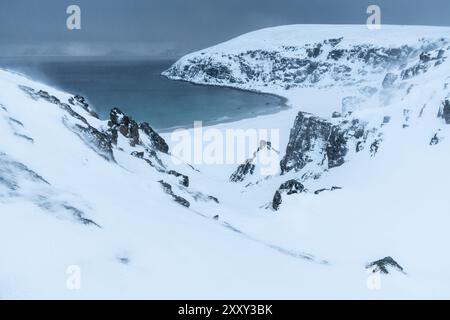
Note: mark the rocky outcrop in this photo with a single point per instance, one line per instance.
(184, 180)
(333, 188)
(315, 140)
(248, 167)
(168, 189)
(124, 124)
(243, 170)
(289, 187)
(135, 132)
(384, 266)
(444, 111)
(308, 138)
(157, 142)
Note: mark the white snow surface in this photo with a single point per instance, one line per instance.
(394, 203)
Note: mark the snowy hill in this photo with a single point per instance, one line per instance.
(359, 200)
(364, 164)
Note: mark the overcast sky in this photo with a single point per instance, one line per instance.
(169, 28)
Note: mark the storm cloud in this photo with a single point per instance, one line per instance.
(170, 28)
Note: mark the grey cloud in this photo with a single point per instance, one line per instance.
(174, 27)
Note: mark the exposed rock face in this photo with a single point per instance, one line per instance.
(384, 265)
(168, 189)
(325, 189)
(336, 147)
(248, 167)
(157, 141)
(445, 111)
(308, 138)
(292, 186)
(125, 125)
(81, 101)
(184, 179)
(315, 140)
(120, 122)
(276, 202)
(289, 187)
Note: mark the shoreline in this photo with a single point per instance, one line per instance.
(283, 106)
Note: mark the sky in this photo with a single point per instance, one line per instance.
(171, 28)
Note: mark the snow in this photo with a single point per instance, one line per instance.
(316, 246)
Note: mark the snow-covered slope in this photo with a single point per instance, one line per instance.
(100, 195)
(357, 209)
(365, 145)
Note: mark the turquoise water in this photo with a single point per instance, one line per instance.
(136, 87)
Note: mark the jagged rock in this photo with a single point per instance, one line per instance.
(435, 140)
(184, 179)
(445, 111)
(213, 199)
(137, 154)
(383, 265)
(308, 137)
(125, 125)
(216, 217)
(248, 167)
(276, 202)
(325, 189)
(374, 147)
(156, 140)
(242, 171)
(336, 147)
(312, 138)
(168, 189)
(289, 187)
(336, 114)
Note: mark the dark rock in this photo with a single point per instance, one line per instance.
(336, 114)
(445, 111)
(336, 147)
(213, 199)
(434, 140)
(168, 189)
(184, 179)
(374, 147)
(325, 189)
(383, 265)
(276, 202)
(312, 136)
(291, 187)
(309, 135)
(156, 140)
(136, 154)
(242, 171)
